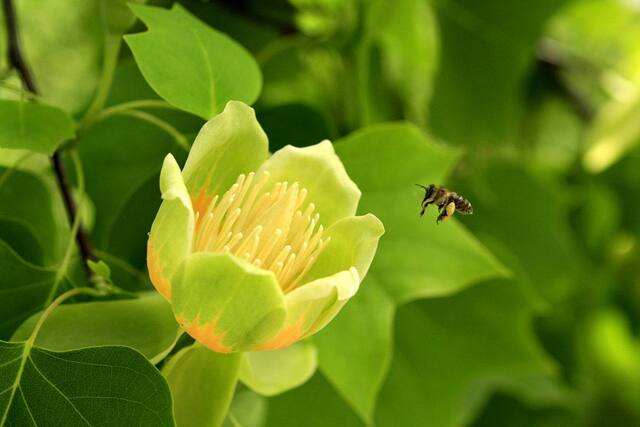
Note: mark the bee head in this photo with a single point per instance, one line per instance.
(430, 191)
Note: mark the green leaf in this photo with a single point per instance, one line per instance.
(26, 198)
(93, 386)
(543, 254)
(202, 383)
(35, 127)
(62, 44)
(483, 64)
(355, 350)
(315, 404)
(117, 15)
(191, 65)
(145, 324)
(101, 269)
(401, 156)
(451, 353)
(273, 372)
(401, 38)
(24, 288)
(21, 237)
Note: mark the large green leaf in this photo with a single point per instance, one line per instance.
(451, 353)
(21, 237)
(487, 48)
(544, 253)
(202, 383)
(355, 350)
(24, 288)
(313, 405)
(89, 387)
(191, 65)
(36, 127)
(26, 198)
(401, 156)
(145, 324)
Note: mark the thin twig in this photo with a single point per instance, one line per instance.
(17, 61)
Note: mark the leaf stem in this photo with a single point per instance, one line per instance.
(132, 105)
(109, 61)
(23, 93)
(75, 226)
(158, 122)
(61, 298)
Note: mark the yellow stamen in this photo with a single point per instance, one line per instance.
(273, 230)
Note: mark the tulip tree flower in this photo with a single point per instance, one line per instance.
(256, 252)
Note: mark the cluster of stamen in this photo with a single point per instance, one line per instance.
(271, 229)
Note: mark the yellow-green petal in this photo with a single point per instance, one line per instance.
(172, 230)
(353, 243)
(226, 303)
(273, 372)
(311, 306)
(318, 169)
(230, 144)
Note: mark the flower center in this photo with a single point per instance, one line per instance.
(270, 229)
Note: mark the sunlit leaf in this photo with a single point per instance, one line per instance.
(614, 132)
(191, 65)
(90, 387)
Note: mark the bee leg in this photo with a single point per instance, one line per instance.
(425, 204)
(446, 211)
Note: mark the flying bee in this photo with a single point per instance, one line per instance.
(447, 202)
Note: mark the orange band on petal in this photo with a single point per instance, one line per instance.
(287, 337)
(161, 283)
(201, 201)
(205, 334)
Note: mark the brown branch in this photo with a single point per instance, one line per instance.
(17, 61)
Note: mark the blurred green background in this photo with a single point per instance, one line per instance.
(540, 100)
